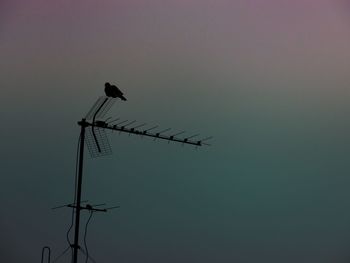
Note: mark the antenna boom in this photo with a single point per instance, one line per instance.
(157, 135)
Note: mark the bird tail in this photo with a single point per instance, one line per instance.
(123, 98)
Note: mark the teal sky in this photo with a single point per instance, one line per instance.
(268, 79)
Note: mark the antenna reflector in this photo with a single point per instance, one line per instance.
(103, 147)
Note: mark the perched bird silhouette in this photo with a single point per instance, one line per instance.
(113, 91)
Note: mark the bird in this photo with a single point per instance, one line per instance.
(113, 91)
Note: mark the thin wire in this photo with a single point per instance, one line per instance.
(85, 234)
(60, 255)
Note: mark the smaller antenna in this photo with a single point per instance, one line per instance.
(66, 205)
(93, 208)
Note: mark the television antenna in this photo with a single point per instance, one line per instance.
(93, 134)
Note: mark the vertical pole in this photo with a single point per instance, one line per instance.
(83, 125)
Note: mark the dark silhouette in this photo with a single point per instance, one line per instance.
(99, 109)
(113, 91)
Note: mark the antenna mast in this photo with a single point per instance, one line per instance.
(83, 126)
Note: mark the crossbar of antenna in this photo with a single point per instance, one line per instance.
(88, 208)
(61, 206)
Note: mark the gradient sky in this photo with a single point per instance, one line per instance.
(268, 79)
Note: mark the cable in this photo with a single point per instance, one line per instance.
(43, 252)
(85, 233)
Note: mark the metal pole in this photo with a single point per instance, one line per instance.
(83, 125)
